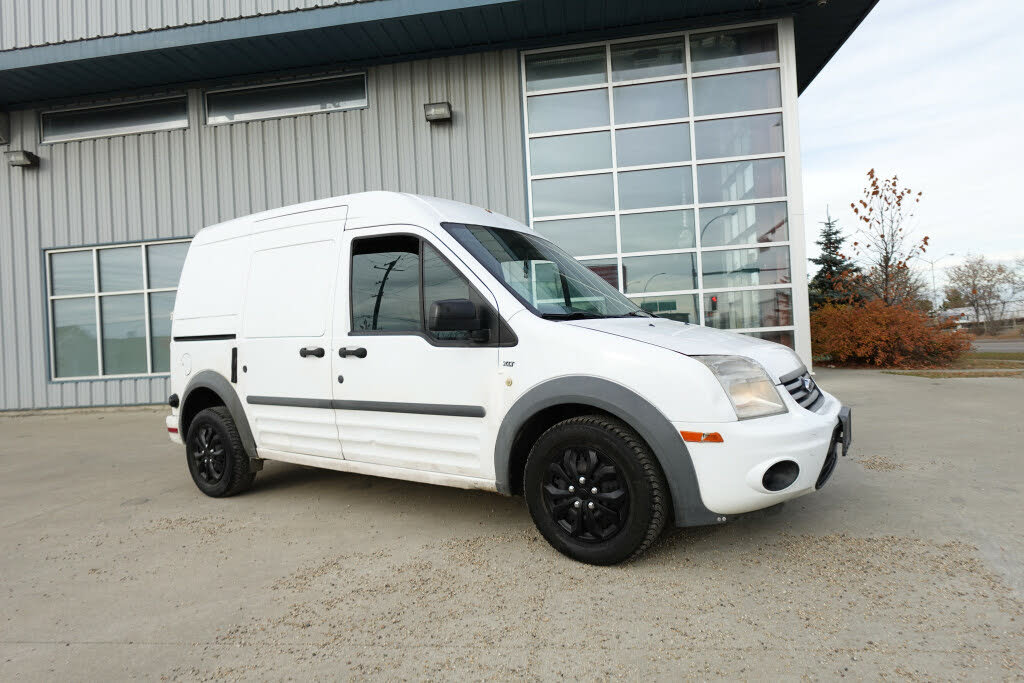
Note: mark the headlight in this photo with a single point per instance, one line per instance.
(747, 384)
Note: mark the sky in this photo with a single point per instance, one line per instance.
(931, 90)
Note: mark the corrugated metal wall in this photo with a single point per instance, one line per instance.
(171, 184)
(24, 23)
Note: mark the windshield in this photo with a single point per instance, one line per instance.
(547, 280)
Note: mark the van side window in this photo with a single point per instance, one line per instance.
(386, 284)
(440, 282)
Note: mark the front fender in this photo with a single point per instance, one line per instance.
(638, 413)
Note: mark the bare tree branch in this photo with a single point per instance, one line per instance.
(886, 245)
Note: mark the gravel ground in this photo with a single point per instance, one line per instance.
(908, 565)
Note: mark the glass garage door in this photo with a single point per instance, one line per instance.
(660, 164)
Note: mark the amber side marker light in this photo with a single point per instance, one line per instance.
(702, 437)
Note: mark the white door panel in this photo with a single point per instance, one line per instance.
(412, 401)
(450, 445)
(402, 370)
(310, 431)
(286, 345)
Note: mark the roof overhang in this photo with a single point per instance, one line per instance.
(361, 33)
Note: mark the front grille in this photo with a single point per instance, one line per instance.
(803, 389)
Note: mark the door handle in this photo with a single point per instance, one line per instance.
(358, 352)
(311, 351)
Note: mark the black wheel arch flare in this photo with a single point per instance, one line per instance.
(625, 404)
(219, 385)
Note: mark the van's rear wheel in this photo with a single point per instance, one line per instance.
(216, 459)
(595, 491)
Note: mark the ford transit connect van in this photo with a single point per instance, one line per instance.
(423, 339)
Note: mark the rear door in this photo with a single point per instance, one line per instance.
(404, 396)
(285, 350)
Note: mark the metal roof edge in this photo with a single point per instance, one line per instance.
(230, 29)
(804, 83)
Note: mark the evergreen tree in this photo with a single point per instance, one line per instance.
(954, 299)
(834, 283)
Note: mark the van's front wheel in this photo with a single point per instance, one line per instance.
(595, 491)
(216, 458)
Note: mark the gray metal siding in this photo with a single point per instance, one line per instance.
(171, 184)
(25, 23)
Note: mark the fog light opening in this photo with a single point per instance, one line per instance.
(781, 475)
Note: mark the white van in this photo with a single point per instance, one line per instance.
(423, 339)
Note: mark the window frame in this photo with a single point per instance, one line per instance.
(790, 154)
(96, 296)
(499, 328)
(283, 83)
(114, 105)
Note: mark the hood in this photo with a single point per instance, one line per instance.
(696, 340)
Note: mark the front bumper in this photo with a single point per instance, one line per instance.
(730, 474)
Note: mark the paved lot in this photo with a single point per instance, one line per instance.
(907, 565)
(1001, 345)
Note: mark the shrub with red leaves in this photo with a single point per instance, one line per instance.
(884, 336)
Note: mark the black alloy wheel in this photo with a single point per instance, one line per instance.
(208, 454)
(595, 490)
(216, 457)
(586, 494)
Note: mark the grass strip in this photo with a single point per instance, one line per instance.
(949, 374)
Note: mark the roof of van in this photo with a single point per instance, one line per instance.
(361, 210)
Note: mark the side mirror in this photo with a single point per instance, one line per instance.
(454, 315)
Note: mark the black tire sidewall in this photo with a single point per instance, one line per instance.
(638, 520)
(231, 453)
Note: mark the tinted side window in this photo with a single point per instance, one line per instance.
(440, 282)
(386, 284)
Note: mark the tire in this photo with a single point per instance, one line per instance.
(628, 511)
(216, 459)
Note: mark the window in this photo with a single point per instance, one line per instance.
(746, 267)
(385, 284)
(395, 279)
(121, 119)
(582, 236)
(542, 276)
(442, 282)
(287, 99)
(110, 308)
(747, 309)
(660, 163)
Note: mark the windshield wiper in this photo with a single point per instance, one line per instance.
(633, 314)
(575, 315)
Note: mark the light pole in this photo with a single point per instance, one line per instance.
(932, 264)
(730, 212)
(648, 283)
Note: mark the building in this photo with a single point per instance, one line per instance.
(657, 140)
(1003, 314)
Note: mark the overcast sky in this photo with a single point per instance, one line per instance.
(932, 90)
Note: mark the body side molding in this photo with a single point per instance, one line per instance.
(288, 402)
(373, 406)
(635, 411)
